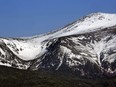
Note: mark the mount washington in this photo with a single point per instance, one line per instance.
(86, 47)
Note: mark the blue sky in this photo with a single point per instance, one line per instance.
(31, 17)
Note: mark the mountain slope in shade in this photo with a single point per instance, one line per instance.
(85, 47)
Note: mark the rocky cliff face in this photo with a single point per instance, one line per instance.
(91, 53)
(86, 47)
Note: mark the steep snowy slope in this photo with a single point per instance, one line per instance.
(90, 23)
(24, 49)
(87, 47)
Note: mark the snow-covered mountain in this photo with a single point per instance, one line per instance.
(84, 47)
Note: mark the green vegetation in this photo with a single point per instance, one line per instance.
(10, 77)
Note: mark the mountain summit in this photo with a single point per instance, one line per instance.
(86, 47)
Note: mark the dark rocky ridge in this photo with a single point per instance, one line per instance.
(51, 60)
